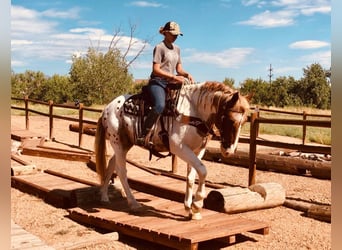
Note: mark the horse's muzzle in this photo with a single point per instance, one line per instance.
(228, 151)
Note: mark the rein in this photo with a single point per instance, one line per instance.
(203, 128)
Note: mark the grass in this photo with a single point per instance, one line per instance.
(313, 134)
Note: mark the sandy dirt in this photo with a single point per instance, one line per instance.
(289, 228)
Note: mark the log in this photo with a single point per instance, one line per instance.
(237, 199)
(281, 164)
(87, 128)
(320, 212)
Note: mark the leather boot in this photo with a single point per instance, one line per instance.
(151, 119)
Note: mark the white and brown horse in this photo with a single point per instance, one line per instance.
(200, 107)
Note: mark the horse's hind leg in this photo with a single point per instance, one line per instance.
(108, 175)
(121, 171)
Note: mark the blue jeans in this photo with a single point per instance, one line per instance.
(157, 94)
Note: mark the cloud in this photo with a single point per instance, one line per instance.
(309, 44)
(146, 4)
(230, 58)
(253, 2)
(269, 19)
(35, 36)
(72, 13)
(286, 11)
(321, 57)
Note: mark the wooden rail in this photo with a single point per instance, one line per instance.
(255, 120)
(80, 120)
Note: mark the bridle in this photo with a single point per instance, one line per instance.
(220, 123)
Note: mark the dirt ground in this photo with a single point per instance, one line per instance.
(289, 228)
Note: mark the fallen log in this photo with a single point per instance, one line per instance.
(88, 129)
(315, 211)
(237, 199)
(320, 212)
(281, 164)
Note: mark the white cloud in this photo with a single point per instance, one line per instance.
(309, 44)
(34, 35)
(313, 10)
(253, 2)
(288, 11)
(146, 4)
(230, 58)
(72, 13)
(269, 19)
(321, 57)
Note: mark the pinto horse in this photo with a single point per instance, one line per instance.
(199, 108)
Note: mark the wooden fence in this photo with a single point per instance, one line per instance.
(254, 119)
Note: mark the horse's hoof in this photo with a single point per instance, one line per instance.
(196, 216)
(136, 207)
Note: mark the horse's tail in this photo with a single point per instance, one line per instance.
(100, 150)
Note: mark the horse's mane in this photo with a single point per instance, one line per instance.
(218, 91)
(216, 87)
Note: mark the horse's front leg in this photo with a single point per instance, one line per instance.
(190, 181)
(200, 193)
(197, 203)
(187, 155)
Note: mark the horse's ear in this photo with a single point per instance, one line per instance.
(249, 96)
(235, 97)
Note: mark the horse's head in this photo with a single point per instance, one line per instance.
(232, 114)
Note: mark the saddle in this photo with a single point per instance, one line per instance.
(139, 105)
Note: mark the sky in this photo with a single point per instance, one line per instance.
(236, 39)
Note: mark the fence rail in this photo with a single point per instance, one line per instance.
(254, 119)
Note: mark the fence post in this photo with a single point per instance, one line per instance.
(50, 120)
(304, 127)
(257, 111)
(252, 148)
(27, 122)
(80, 124)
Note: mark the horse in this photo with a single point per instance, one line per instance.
(200, 107)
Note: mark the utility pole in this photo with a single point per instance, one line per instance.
(270, 74)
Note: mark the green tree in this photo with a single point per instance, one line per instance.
(229, 82)
(28, 84)
(98, 77)
(57, 88)
(314, 88)
(279, 93)
(259, 88)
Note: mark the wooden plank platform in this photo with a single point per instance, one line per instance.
(21, 239)
(57, 191)
(22, 134)
(165, 222)
(161, 220)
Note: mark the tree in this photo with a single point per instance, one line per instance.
(28, 84)
(57, 88)
(99, 76)
(279, 92)
(314, 87)
(259, 88)
(229, 82)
